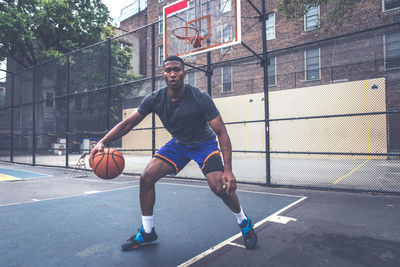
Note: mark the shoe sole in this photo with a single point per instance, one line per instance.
(252, 241)
(138, 246)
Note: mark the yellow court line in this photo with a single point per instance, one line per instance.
(368, 136)
(359, 166)
(4, 177)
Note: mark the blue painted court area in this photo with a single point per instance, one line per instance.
(10, 174)
(87, 230)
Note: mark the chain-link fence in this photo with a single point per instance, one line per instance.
(322, 114)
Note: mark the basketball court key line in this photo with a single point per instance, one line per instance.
(230, 240)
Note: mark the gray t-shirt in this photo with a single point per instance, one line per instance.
(186, 119)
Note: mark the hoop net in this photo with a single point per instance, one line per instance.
(188, 33)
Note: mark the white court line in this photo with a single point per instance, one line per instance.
(245, 191)
(103, 181)
(230, 240)
(92, 192)
(64, 197)
(100, 181)
(236, 245)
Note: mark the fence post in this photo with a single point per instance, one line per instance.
(209, 73)
(266, 107)
(34, 118)
(108, 81)
(12, 120)
(153, 87)
(67, 110)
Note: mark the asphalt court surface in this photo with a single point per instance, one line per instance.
(57, 220)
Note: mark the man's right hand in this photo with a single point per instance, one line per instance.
(98, 147)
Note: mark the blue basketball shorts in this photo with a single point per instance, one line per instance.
(178, 156)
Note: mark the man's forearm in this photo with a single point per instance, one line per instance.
(122, 128)
(116, 132)
(226, 148)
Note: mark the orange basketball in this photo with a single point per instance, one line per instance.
(108, 164)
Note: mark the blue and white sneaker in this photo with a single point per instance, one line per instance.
(140, 239)
(249, 236)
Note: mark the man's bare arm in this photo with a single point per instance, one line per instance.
(117, 132)
(218, 127)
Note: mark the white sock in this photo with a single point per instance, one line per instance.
(240, 216)
(148, 223)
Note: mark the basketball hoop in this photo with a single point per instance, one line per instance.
(194, 39)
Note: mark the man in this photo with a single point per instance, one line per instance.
(194, 122)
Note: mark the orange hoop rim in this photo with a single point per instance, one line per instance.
(180, 37)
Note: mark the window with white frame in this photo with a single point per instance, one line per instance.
(191, 11)
(160, 55)
(227, 79)
(272, 71)
(226, 6)
(226, 36)
(390, 4)
(226, 33)
(49, 100)
(160, 24)
(132, 9)
(311, 19)
(142, 4)
(392, 50)
(270, 26)
(312, 58)
(191, 78)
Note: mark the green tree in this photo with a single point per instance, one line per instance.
(338, 13)
(32, 31)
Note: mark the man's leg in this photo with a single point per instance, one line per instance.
(154, 171)
(214, 180)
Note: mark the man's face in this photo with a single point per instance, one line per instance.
(174, 74)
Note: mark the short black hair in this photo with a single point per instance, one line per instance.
(174, 58)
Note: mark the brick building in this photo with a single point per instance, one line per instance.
(300, 55)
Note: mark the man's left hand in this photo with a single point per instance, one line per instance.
(229, 182)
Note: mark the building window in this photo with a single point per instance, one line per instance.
(390, 4)
(270, 26)
(142, 4)
(49, 100)
(226, 36)
(272, 72)
(160, 24)
(226, 6)
(311, 19)
(160, 1)
(133, 9)
(190, 13)
(160, 55)
(392, 50)
(226, 33)
(312, 64)
(191, 78)
(227, 79)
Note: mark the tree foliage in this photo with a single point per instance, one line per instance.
(35, 30)
(338, 12)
